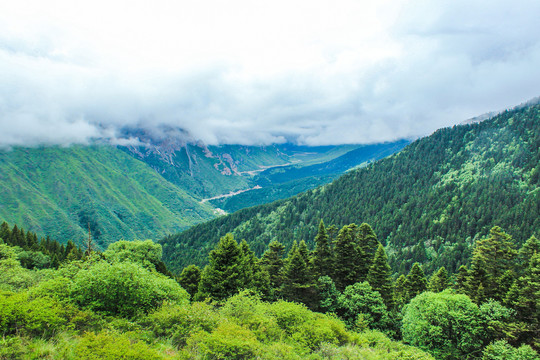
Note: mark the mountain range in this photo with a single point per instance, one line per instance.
(154, 187)
(428, 203)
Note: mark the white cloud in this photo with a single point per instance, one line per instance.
(316, 72)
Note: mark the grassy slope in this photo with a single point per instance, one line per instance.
(58, 191)
(439, 191)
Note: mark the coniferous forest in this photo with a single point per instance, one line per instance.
(432, 253)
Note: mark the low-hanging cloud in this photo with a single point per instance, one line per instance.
(312, 73)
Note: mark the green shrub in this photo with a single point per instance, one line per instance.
(447, 325)
(501, 350)
(106, 345)
(227, 341)
(124, 289)
(20, 314)
(177, 322)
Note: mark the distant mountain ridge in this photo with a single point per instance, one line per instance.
(427, 203)
(148, 188)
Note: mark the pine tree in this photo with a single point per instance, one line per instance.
(322, 258)
(222, 277)
(368, 241)
(272, 261)
(5, 233)
(415, 282)
(347, 258)
(461, 280)
(253, 275)
(379, 277)
(439, 281)
(400, 292)
(492, 259)
(298, 283)
(531, 246)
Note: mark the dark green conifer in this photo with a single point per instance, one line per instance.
(439, 281)
(322, 258)
(415, 282)
(492, 259)
(379, 277)
(461, 280)
(400, 293)
(368, 244)
(5, 233)
(272, 261)
(222, 277)
(298, 283)
(347, 258)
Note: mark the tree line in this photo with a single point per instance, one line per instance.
(494, 300)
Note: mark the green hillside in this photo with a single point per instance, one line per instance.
(61, 191)
(426, 203)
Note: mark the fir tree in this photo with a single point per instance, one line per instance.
(367, 240)
(415, 282)
(347, 258)
(461, 280)
(222, 277)
(492, 259)
(400, 293)
(379, 277)
(272, 261)
(253, 275)
(439, 281)
(322, 258)
(524, 297)
(531, 246)
(298, 284)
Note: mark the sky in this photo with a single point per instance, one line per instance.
(253, 72)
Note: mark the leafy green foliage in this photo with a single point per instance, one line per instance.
(123, 289)
(111, 346)
(360, 300)
(501, 350)
(446, 325)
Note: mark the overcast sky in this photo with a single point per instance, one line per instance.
(254, 72)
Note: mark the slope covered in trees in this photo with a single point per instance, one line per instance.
(427, 203)
(64, 191)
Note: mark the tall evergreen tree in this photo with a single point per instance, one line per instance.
(367, 240)
(222, 277)
(5, 233)
(400, 292)
(524, 297)
(492, 259)
(461, 280)
(531, 246)
(439, 281)
(272, 261)
(415, 282)
(298, 283)
(347, 258)
(322, 258)
(379, 277)
(253, 275)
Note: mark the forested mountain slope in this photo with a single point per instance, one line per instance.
(62, 192)
(427, 202)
